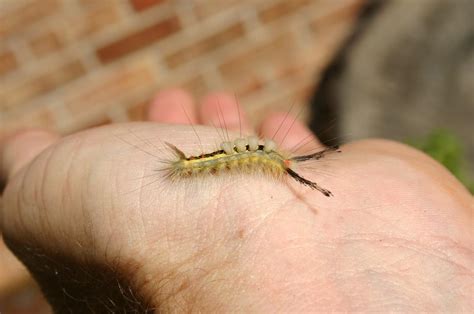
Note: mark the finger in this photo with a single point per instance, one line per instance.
(290, 133)
(173, 106)
(20, 148)
(12, 272)
(222, 110)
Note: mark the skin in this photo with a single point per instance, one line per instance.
(396, 236)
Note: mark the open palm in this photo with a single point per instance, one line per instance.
(102, 229)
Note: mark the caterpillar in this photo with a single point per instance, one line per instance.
(244, 155)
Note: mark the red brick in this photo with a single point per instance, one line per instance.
(244, 71)
(87, 3)
(112, 89)
(19, 18)
(280, 9)
(46, 43)
(8, 62)
(41, 84)
(141, 5)
(206, 45)
(334, 13)
(95, 19)
(37, 117)
(138, 40)
(330, 30)
(207, 8)
(277, 50)
(92, 3)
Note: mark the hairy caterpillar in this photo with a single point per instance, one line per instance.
(243, 155)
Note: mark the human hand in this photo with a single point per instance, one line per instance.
(101, 230)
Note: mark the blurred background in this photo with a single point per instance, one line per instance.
(72, 64)
(399, 69)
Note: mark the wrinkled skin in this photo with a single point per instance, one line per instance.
(396, 236)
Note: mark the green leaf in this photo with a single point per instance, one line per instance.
(446, 148)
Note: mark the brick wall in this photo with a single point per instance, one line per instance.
(71, 64)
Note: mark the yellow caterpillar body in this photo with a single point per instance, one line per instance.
(245, 155)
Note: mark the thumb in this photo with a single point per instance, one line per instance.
(18, 149)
